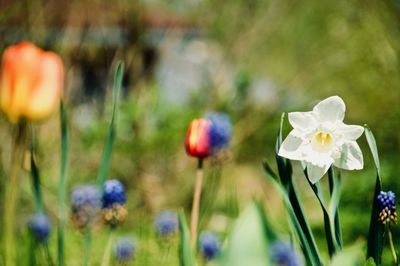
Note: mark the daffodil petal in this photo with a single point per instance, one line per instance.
(330, 109)
(302, 120)
(351, 157)
(290, 147)
(315, 173)
(351, 132)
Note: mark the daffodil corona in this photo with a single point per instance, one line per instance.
(320, 139)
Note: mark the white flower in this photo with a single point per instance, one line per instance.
(320, 139)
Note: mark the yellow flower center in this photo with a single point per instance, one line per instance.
(322, 142)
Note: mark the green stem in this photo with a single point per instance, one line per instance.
(11, 194)
(62, 185)
(392, 249)
(107, 252)
(88, 246)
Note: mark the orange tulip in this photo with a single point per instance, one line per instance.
(31, 82)
(198, 138)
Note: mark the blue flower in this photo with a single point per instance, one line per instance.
(166, 223)
(40, 226)
(220, 131)
(387, 206)
(85, 203)
(283, 254)
(114, 193)
(209, 245)
(124, 249)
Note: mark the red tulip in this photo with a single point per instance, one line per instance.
(31, 82)
(198, 138)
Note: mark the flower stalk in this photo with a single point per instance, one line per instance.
(392, 248)
(196, 202)
(11, 192)
(107, 252)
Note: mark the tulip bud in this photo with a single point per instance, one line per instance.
(31, 82)
(198, 138)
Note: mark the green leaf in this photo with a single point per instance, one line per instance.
(247, 244)
(63, 183)
(309, 249)
(285, 173)
(269, 231)
(329, 221)
(37, 193)
(185, 249)
(332, 184)
(107, 151)
(376, 233)
(351, 256)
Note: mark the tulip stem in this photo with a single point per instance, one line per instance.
(196, 202)
(107, 252)
(11, 193)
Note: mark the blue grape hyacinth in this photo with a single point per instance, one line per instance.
(85, 204)
(113, 202)
(220, 131)
(209, 245)
(124, 249)
(283, 253)
(166, 223)
(387, 206)
(40, 227)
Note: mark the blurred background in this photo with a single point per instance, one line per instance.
(253, 59)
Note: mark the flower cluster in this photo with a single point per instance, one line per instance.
(209, 245)
(86, 204)
(113, 202)
(40, 227)
(387, 206)
(124, 249)
(207, 136)
(166, 223)
(283, 253)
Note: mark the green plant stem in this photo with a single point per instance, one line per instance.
(392, 249)
(107, 252)
(196, 203)
(88, 246)
(62, 185)
(11, 194)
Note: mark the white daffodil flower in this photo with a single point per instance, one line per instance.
(320, 139)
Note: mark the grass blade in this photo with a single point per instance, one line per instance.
(63, 183)
(376, 233)
(106, 157)
(186, 256)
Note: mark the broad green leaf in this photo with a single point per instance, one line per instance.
(62, 184)
(349, 257)
(106, 157)
(376, 229)
(247, 244)
(186, 256)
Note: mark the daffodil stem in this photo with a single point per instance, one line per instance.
(196, 202)
(392, 249)
(11, 193)
(107, 252)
